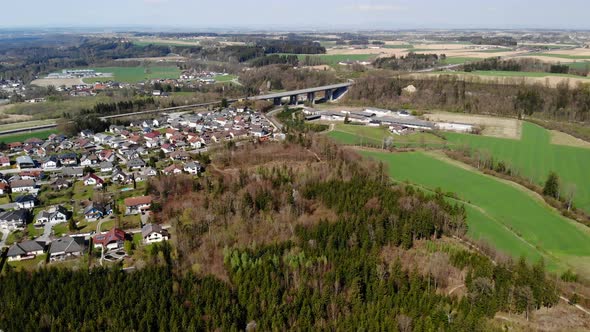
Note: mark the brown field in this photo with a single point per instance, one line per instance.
(548, 59)
(562, 317)
(156, 59)
(575, 51)
(11, 118)
(560, 138)
(57, 81)
(492, 126)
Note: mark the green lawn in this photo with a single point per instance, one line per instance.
(24, 136)
(135, 74)
(399, 46)
(224, 78)
(581, 65)
(373, 136)
(510, 218)
(534, 157)
(23, 124)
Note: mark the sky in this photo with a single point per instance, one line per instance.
(298, 15)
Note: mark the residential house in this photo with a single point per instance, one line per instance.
(4, 161)
(24, 162)
(92, 179)
(180, 155)
(106, 166)
(89, 160)
(106, 155)
(20, 186)
(13, 220)
(60, 184)
(136, 163)
(135, 205)
(25, 202)
(152, 233)
(152, 136)
(24, 250)
(53, 215)
(75, 172)
(113, 239)
(193, 167)
(4, 188)
(172, 169)
(95, 211)
(68, 159)
(66, 247)
(50, 163)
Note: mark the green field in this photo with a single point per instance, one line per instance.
(135, 74)
(564, 56)
(457, 60)
(224, 78)
(534, 157)
(334, 59)
(374, 136)
(24, 136)
(509, 217)
(163, 43)
(581, 65)
(400, 46)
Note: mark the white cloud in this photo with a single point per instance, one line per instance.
(378, 8)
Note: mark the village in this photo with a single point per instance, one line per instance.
(71, 197)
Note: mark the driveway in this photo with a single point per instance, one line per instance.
(9, 206)
(46, 237)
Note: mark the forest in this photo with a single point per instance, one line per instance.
(525, 65)
(564, 103)
(412, 61)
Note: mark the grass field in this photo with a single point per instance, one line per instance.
(456, 60)
(334, 59)
(508, 217)
(373, 136)
(224, 78)
(22, 137)
(582, 65)
(25, 124)
(400, 46)
(135, 74)
(564, 56)
(534, 157)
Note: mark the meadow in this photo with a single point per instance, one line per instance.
(499, 73)
(533, 157)
(334, 59)
(135, 74)
(457, 60)
(510, 218)
(43, 134)
(563, 56)
(374, 136)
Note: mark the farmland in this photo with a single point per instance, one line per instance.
(334, 59)
(457, 60)
(533, 156)
(374, 136)
(135, 74)
(499, 73)
(509, 217)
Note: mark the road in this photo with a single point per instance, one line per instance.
(46, 237)
(270, 116)
(3, 236)
(9, 206)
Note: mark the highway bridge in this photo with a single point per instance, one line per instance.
(331, 92)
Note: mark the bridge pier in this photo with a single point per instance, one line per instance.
(277, 101)
(328, 96)
(293, 100)
(311, 97)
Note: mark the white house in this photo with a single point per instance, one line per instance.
(152, 233)
(50, 163)
(25, 202)
(53, 215)
(92, 180)
(136, 205)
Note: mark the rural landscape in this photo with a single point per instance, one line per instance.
(361, 173)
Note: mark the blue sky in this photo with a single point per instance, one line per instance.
(324, 14)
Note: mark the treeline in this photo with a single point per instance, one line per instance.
(279, 77)
(412, 61)
(564, 102)
(294, 46)
(525, 65)
(481, 40)
(275, 59)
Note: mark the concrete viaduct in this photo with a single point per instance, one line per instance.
(331, 92)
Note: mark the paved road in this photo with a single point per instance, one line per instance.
(9, 206)
(3, 236)
(46, 237)
(270, 116)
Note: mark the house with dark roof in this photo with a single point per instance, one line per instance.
(60, 184)
(25, 202)
(95, 211)
(13, 220)
(24, 162)
(75, 172)
(53, 215)
(113, 239)
(66, 247)
(152, 233)
(24, 250)
(136, 163)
